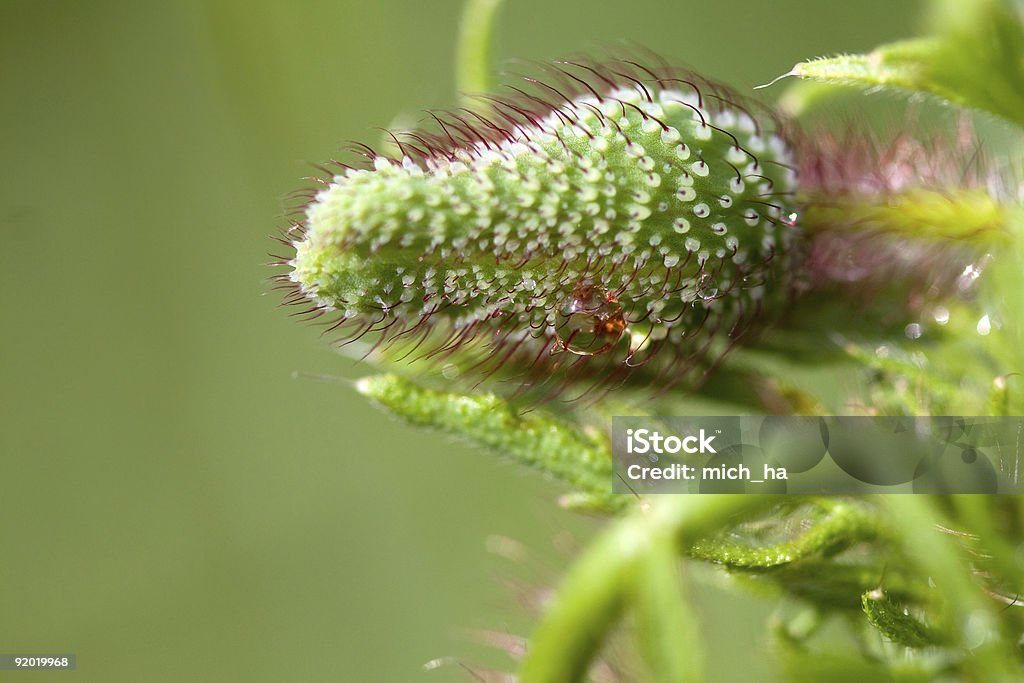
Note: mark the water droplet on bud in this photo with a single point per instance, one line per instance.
(589, 321)
(707, 289)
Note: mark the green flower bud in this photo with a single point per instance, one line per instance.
(623, 215)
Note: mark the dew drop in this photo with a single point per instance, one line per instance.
(589, 321)
(707, 289)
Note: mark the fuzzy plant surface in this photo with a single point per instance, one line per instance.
(620, 236)
(630, 214)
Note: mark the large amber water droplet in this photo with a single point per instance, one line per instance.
(589, 321)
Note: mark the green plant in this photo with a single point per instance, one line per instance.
(629, 201)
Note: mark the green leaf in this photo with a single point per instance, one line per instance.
(897, 65)
(894, 621)
(974, 58)
(542, 441)
(842, 524)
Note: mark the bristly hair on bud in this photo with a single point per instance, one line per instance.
(615, 219)
(894, 222)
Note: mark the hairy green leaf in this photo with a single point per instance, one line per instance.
(542, 441)
(974, 58)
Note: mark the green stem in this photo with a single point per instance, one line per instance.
(666, 625)
(473, 50)
(593, 595)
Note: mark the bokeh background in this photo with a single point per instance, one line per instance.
(175, 504)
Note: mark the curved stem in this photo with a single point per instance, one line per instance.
(666, 624)
(593, 594)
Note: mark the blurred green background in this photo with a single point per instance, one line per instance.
(174, 505)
